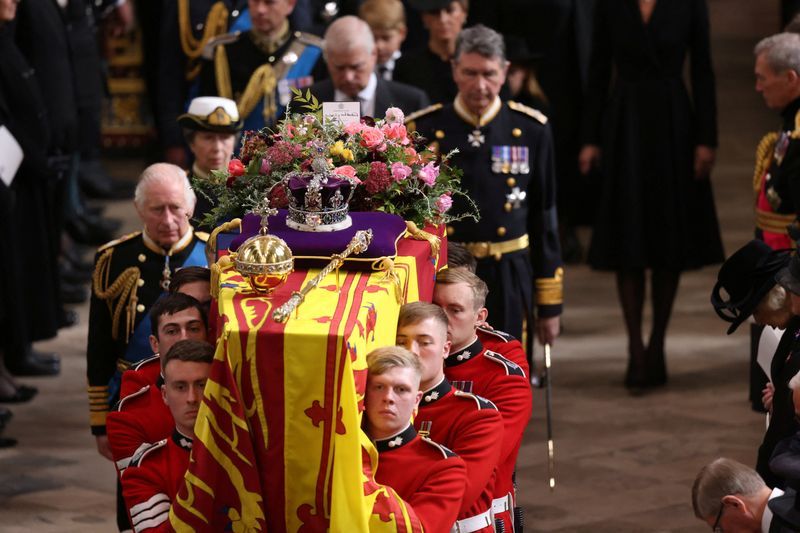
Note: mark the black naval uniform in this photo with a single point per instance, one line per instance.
(290, 59)
(507, 159)
(426, 70)
(129, 277)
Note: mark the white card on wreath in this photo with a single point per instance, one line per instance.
(342, 112)
(10, 156)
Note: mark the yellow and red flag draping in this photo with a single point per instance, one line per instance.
(279, 445)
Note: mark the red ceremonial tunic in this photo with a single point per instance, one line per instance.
(151, 482)
(146, 372)
(472, 427)
(426, 475)
(492, 376)
(505, 344)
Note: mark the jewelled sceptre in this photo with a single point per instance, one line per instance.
(358, 244)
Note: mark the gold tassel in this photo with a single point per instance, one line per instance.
(216, 272)
(390, 275)
(764, 152)
(211, 243)
(421, 235)
(123, 290)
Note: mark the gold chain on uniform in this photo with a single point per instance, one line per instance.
(123, 290)
(260, 86)
(764, 152)
(216, 24)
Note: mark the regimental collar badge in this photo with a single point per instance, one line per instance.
(467, 354)
(436, 393)
(181, 440)
(396, 441)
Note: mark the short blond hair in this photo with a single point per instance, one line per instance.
(451, 276)
(383, 15)
(416, 312)
(381, 360)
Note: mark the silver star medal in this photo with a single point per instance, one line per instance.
(397, 441)
(476, 138)
(465, 355)
(432, 396)
(516, 197)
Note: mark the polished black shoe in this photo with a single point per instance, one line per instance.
(31, 366)
(636, 380)
(656, 367)
(67, 318)
(81, 231)
(73, 294)
(74, 256)
(69, 274)
(23, 393)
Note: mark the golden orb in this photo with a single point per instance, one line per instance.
(266, 261)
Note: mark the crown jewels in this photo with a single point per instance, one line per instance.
(318, 201)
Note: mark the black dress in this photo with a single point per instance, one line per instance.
(652, 211)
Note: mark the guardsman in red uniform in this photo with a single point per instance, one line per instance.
(152, 479)
(469, 425)
(472, 368)
(427, 475)
(141, 416)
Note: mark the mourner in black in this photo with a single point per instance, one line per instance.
(656, 210)
(428, 67)
(506, 152)
(350, 55)
(258, 68)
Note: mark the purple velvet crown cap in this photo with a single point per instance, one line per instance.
(298, 185)
(386, 228)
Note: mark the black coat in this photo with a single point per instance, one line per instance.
(387, 94)
(423, 69)
(652, 211)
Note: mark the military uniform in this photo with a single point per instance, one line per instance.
(258, 73)
(426, 475)
(151, 482)
(130, 274)
(492, 376)
(775, 181)
(472, 427)
(507, 159)
(503, 343)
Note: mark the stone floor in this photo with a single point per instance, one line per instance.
(623, 464)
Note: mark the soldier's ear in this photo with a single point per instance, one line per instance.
(164, 394)
(153, 343)
(447, 346)
(483, 314)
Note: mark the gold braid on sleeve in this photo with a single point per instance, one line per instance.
(764, 152)
(216, 24)
(550, 291)
(122, 291)
(261, 86)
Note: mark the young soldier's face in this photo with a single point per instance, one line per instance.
(427, 339)
(185, 324)
(390, 400)
(182, 391)
(458, 303)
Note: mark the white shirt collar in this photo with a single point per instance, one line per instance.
(366, 96)
(766, 518)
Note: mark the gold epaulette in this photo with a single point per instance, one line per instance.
(115, 242)
(531, 112)
(213, 43)
(202, 235)
(764, 153)
(550, 291)
(308, 39)
(421, 113)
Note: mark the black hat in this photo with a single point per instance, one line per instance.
(786, 510)
(789, 276)
(747, 276)
(431, 5)
(211, 113)
(518, 52)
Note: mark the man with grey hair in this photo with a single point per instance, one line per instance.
(731, 497)
(506, 152)
(349, 52)
(130, 274)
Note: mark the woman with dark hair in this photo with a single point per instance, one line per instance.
(656, 211)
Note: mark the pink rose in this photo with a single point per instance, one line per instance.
(396, 132)
(400, 171)
(411, 154)
(353, 128)
(394, 115)
(266, 168)
(347, 171)
(443, 203)
(428, 174)
(373, 139)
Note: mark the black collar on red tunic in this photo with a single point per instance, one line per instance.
(467, 354)
(181, 440)
(397, 440)
(435, 393)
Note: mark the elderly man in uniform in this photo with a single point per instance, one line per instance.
(155, 474)
(428, 476)
(350, 55)
(258, 68)
(506, 152)
(209, 127)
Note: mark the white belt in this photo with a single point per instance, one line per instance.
(501, 505)
(473, 523)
